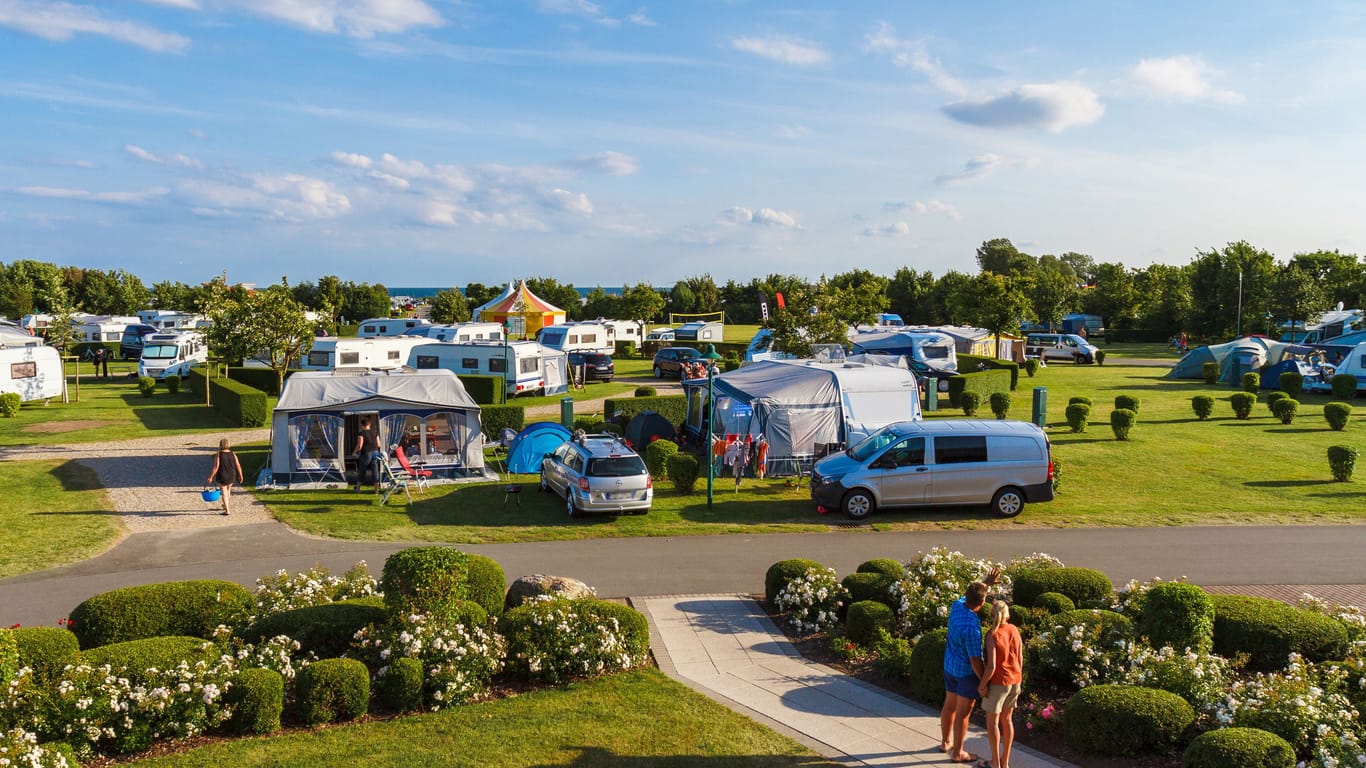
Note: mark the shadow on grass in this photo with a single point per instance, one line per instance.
(601, 757)
(1299, 430)
(1068, 439)
(1287, 483)
(165, 411)
(75, 476)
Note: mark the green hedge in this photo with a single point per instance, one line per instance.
(1179, 615)
(485, 389)
(926, 675)
(399, 689)
(192, 608)
(625, 348)
(623, 409)
(435, 580)
(1125, 720)
(971, 363)
(1082, 585)
(657, 455)
(46, 650)
(257, 698)
(325, 630)
(783, 571)
(9, 656)
(332, 689)
(870, 586)
(1268, 631)
(242, 405)
(1238, 748)
(10, 403)
(1054, 602)
(1337, 415)
(493, 418)
(263, 379)
(865, 618)
(981, 382)
(887, 565)
(135, 657)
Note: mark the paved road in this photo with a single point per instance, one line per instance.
(1213, 556)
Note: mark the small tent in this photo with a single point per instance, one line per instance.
(1233, 358)
(532, 444)
(645, 428)
(317, 420)
(522, 312)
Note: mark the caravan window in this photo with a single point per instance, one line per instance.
(573, 339)
(935, 353)
(319, 359)
(471, 363)
(23, 370)
(528, 365)
(350, 358)
(428, 361)
(498, 365)
(393, 354)
(589, 338)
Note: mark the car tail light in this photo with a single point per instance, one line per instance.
(583, 484)
(649, 482)
(1050, 468)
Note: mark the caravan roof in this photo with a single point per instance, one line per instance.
(307, 390)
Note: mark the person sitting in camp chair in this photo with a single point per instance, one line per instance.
(417, 474)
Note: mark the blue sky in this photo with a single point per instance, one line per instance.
(431, 142)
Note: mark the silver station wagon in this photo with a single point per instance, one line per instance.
(598, 473)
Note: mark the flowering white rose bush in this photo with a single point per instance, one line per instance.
(933, 581)
(1128, 599)
(458, 662)
(316, 586)
(1082, 654)
(1350, 616)
(553, 639)
(21, 749)
(280, 653)
(1199, 677)
(812, 600)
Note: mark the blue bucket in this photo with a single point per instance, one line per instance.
(211, 495)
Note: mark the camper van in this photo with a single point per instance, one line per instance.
(526, 366)
(890, 320)
(459, 332)
(586, 336)
(166, 354)
(14, 336)
(33, 372)
(378, 353)
(712, 331)
(130, 346)
(101, 328)
(389, 326)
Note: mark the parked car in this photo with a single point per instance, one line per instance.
(669, 361)
(660, 334)
(598, 473)
(1060, 346)
(944, 462)
(594, 366)
(925, 373)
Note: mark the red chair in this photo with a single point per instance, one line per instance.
(419, 475)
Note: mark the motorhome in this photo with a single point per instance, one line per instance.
(33, 372)
(389, 326)
(890, 320)
(585, 336)
(526, 366)
(171, 353)
(130, 346)
(459, 332)
(930, 347)
(101, 328)
(377, 353)
(178, 321)
(700, 330)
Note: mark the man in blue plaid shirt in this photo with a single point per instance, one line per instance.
(963, 668)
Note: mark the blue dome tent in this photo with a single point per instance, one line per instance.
(532, 444)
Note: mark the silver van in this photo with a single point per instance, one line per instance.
(1060, 346)
(598, 473)
(943, 462)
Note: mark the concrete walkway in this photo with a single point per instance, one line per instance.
(726, 647)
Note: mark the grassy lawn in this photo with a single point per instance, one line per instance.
(635, 719)
(53, 513)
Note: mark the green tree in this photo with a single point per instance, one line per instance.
(276, 328)
(803, 322)
(61, 331)
(362, 301)
(641, 302)
(1114, 296)
(911, 295)
(1342, 275)
(1164, 298)
(600, 303)
(855, 297)
(478, 294)
(1001, 257)
(130, 295)
(681, 298)
(706, 296)
(998, 304)
(174, 295)
(1223, 279)
(38, 278)
(449, 306)
(230, 336)
(1052, 294)
(16, 298)
(1297, 295)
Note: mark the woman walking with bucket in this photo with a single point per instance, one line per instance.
(227, 472)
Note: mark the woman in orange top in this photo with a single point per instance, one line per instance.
(1000, 686)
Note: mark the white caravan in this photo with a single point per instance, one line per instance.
(1354, 363)
(101, 328)
(585, 336)
(389, 326)
(173, 353)
(627, 330)
(35, 372)
(526, 366)
(178, 321)
(378, 353)
(710, 330)
(459, 332)
(14, 336)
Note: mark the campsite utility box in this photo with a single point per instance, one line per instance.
(1039, 415)
(567, 413)
(931, 394)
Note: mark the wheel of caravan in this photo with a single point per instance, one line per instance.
(1008, 502)
(569, 505)
(659, 372)
(858, 504)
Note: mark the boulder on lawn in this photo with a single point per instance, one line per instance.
(540, 584)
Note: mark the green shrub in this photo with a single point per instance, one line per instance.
(1337, 415)
(926, 675)
(1031, 367)
(1344, 386)
(331, 690)
(624, 348)
(981, 382)
(1126, 403)
(325, 630)
(9, 656)
(1342, 460)
(893, 656)
(399, 689)
(1179, 615)
(1000, 404)
(646, 391)
(783, 571)
(241, 404)
(257, 698)
(1203, 405)
(1100, 357)
(590, 424)
(1054, 602)
(986, 363)
(263, 379)
(1121, 421)
(1242, 403)
(622, 409)
(437, 580)
(1252, 382)
(1291, 383)
(1125, 720)
(970, 402)
(487, 585)
(1209, 372)
(682, 471)
(172, 383)
(869, 586)
(1238, 748)
(1272, 398)
(46, 650)
(1086, 401)
(613, 429)
(485, 389)
(135, 657)
(192, 608)
(866, 618)
(1268, 631)
(887, 565)
(1285, 409)
(147, 385)
(9, 404)
(495, 418)
(1077, 416)
(556, 640)
(657, 455)
(1022, 616)
(1082, 585)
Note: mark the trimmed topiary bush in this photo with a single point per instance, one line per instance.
(1077, 416)
(1292, 383)
(1285, 409)
(138, 656)
(1203, 405)
(926, 675)
(1238, 748)
(783, 571)
(1344, 386)
(436, 581)
(1209, 372)
(1126, 403)
(1000, 404)
(257, 698)
(1179, 615)
(970, 401)
(646, 391)
(1082, 585)
(46, 650)
(1125, 720)
(869, 586)
(1100, 357)
(892, 567)
(1054, 602)
(487, 586)
(1268, 631)
(682, 470)
(191, 608)
(865, 618)
(1031, 367)
(10, 403)
(332, 690)
(1086, 401)
(657, 455)
(1337, 415)
(1272, 397)
(399, 688)
(1242, 403)
(172, 383)
(1252, 382)
(1121, 421)
(1342, 460)
(147, 385)
(325, 630)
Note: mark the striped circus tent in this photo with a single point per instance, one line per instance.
(522, 312)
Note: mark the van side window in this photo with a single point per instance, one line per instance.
(909, 453)
(960, 449)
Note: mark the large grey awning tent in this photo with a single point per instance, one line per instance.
(1234, 358)
(428, 412)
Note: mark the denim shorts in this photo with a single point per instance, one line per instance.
(965, 687)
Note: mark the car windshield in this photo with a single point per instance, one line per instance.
(159, 350)
(688, 353)
(873, 443)
(616, 466)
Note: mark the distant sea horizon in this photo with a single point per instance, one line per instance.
(428, 292)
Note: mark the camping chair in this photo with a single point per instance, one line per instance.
(393, 482)
(418, 475)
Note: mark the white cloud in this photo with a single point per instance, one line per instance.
(1182, 78)
(191, 5)
(930, 206)
(569, 202)
(913, 55)
(788, 50)
(609, 163)
(60, 21)
(123, 198)
(590, 11)
(176, 159)
(978, 167)
(739, 215)
(356, 18)
(1054, 106)
(898, 229)
(286, 197)
(52, 192)
(351, 159)
(640, 19)
(196, 133)
(791, 132)
(393, 181)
